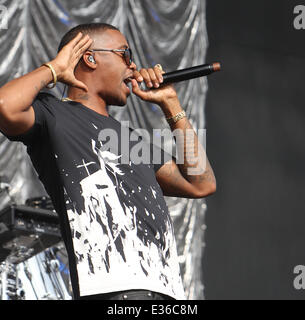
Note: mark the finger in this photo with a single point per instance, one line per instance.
(83, 49)
(81, 43)
(78, 55)
(75, 40)
(144, 73)
(137, 76)
(137, 91)
(159, 71)
(153, 78)
(80, 85)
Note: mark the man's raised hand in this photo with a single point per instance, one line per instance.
(67, 59)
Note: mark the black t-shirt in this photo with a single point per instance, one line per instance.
(114, 219)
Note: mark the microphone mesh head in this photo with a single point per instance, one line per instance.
(216, 66)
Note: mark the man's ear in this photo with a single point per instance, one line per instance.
(89, 60)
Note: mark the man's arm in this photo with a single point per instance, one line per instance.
(192, 177)
(16, 97)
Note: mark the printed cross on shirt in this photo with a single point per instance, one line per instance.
(85, 165)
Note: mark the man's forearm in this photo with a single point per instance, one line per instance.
(193, 162)
(17, 95)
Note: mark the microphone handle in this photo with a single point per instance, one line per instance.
(190, 73)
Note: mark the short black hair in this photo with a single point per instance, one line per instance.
(85, 29)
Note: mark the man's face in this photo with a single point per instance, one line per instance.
(112, 70)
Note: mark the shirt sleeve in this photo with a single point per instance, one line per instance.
(44, 117)
(159, 157)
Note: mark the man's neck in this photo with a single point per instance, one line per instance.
(92, 101)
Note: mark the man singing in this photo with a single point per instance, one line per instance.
(114, 220)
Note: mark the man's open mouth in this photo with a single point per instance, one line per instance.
(127, 82)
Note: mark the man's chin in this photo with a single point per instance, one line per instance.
(119, 100)
(121, 103)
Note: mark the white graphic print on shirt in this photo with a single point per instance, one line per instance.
(109, 252)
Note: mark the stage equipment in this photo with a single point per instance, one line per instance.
(37, 278)
(26, 231)
(30, 242)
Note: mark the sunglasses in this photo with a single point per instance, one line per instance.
(127, 53)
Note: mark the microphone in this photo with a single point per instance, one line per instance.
(190, 73)
(186, 74)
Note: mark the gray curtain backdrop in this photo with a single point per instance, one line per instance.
(172, 33)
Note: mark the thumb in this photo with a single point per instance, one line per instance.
(137, 91)
(80, 85)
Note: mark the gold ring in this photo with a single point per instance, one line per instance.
(159, 66)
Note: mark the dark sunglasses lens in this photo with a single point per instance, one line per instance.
(128, 56)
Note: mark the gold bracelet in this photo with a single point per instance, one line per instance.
(50, 86)
(176, 117)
